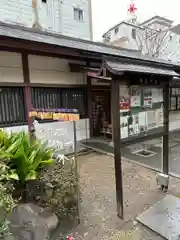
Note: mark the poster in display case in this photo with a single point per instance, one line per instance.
(159, 117)
(143, 107)
(124, 100)
(147, 101)
(173, 103)
(151, 120)
(135, 96)
(157, 95)
(133, 125)
(142, 121)
(124, 127)
(124, 104)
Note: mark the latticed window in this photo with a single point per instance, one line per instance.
(52, 98)
(12, 106)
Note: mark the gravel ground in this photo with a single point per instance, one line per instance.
(98, 207)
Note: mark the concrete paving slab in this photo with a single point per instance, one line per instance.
(163, 217)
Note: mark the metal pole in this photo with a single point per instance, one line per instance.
(32, 131)
(77, 174)
(166, 129)
(117, 145)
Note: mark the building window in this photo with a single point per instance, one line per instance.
(54, 98)
(78, 14)
(44, 1)
(116, 30)
(134, 33)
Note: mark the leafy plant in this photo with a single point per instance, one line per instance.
(6, 202)
(62, 175)
(24, 158)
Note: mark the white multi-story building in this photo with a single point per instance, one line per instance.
(157, 37)
(67, 17)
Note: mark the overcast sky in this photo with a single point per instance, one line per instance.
(107, 13)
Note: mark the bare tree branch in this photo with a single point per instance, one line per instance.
(160, 42)
(150, 41)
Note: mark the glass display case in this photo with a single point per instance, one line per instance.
(141, 118)
(178, 103)
(174, 100)
(141, 110)
(173, 103)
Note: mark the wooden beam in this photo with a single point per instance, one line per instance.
(96, 61)
(11, 84)
(100, 78)
(36, 46)
(57, 85)
(44, 49)
(26, 76)
(77, 67)
(117, 145)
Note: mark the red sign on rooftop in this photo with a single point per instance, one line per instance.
(132, 8)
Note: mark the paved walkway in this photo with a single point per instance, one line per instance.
(98, 208)
(154, 145)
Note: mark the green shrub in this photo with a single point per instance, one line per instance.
(62, 176)
(6, 202)
(6, 206)
(24, 158)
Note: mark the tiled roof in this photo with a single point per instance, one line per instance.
(18, 32)
(119, 67)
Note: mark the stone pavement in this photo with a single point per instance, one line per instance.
(155, 145)
(98, 207)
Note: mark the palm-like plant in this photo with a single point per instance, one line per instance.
(23, 157)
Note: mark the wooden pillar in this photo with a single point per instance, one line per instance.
(111, 102)
(166, 129)
(89, 87)
(26, 76)
(117, 145)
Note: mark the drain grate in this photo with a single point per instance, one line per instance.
(144, 153)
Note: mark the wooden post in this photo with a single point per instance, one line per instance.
(111, 102)
(115, 89)
(166, 129)
(26, 76)
(89, 87)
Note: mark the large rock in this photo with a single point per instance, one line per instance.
(30, 222)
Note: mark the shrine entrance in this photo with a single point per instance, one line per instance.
(139, 114)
